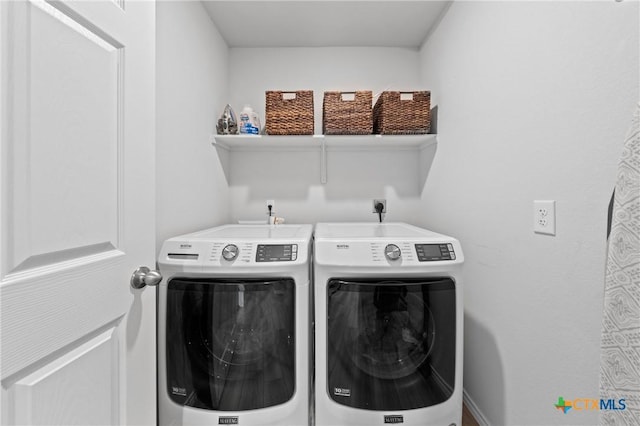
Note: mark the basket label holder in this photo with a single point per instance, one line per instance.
(348, 96)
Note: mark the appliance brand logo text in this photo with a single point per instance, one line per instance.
(342, 246)
(395, 419)
(228, 420)
(178, 391)
(342, 392)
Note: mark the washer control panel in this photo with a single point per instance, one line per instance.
(276, 252)
(435, 252)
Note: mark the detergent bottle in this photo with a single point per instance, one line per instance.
(249, 123)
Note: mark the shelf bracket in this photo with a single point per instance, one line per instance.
(323, 162)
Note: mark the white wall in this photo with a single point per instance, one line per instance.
(192, 90)
(534, 101)
(293, 180)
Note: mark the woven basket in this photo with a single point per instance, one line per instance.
(347, 117)
(395, 116)
(289, 113)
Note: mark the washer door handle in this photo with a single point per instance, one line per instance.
(143, 276)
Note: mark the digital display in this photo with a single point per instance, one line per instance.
(430, 250)
(434, 252)
(276, 252)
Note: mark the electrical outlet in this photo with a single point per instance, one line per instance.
(544, 217)
(271, 203)
(384, 205)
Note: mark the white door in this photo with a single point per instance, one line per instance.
(77, 125)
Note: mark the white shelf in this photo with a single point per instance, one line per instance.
(323, 144)
(314, 142)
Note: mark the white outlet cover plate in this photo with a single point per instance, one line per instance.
(544, 217)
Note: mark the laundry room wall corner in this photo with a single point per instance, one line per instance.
(525, 115)
(192, 90)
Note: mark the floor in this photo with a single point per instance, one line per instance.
(467, 417)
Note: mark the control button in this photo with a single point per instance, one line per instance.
(230, 252)
(450, 247)
(392, 252)
(294, 248)
(294, 256)
(453, 255)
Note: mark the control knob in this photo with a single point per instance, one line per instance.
(392, 252)
(230, 252)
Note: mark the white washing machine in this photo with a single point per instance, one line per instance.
(234, 326)
(388, 325)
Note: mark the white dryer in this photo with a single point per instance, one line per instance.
(388, 325)
(233, 326)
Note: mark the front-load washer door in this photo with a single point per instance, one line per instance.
(391, 344)
(230, 343)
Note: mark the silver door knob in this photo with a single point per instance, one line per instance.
(392, 252)
(143, 276)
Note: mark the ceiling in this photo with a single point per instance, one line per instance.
(265, 23)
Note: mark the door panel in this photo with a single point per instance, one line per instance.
(44, 397)
(65, 202)
(76, 118)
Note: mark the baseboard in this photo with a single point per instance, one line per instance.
(473, 408)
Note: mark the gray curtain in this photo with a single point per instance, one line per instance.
(620, 347)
